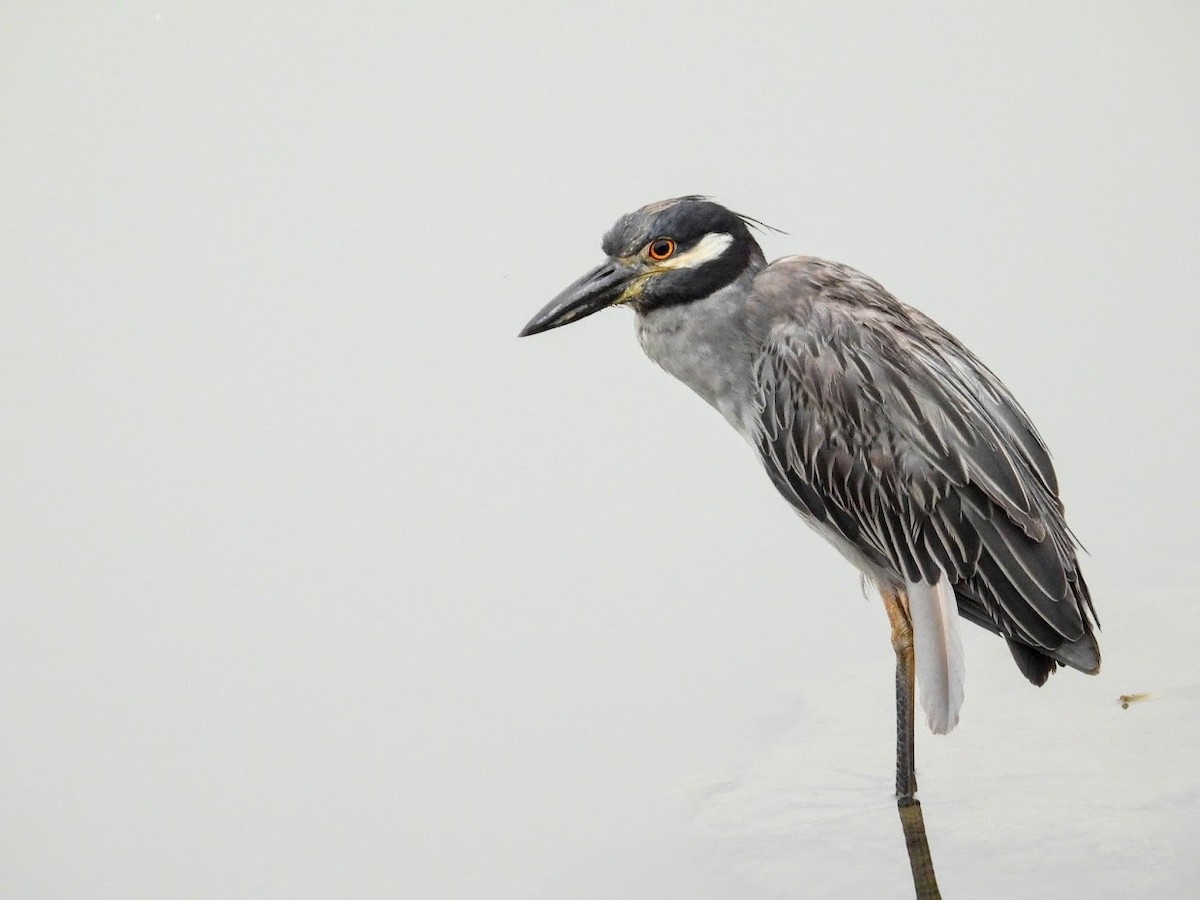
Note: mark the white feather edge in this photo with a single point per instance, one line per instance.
(937, 645)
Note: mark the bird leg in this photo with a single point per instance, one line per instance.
(911, 819)
(902, 642)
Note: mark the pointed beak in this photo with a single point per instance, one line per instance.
(597, 289)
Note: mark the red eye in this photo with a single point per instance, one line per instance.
(661, 248)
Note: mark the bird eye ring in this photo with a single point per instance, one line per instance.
(661, 248)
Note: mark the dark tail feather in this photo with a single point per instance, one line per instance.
(1038, 664)
(1034, 664)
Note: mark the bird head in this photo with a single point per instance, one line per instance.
(667, 253)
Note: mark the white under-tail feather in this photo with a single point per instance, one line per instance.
(938, 648)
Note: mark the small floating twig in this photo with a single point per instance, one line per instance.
(1126, 699)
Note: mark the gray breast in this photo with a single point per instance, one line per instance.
(706, 344)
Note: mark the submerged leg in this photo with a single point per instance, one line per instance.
(911, 819)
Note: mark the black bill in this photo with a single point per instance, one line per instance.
(597, 289)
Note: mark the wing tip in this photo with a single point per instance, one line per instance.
(1082, 654)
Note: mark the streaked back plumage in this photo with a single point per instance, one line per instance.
(885, 429)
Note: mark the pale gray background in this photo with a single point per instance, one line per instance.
(317, 582)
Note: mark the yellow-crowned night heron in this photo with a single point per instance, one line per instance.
(877, 425)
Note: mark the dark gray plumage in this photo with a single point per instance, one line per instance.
(879, 423)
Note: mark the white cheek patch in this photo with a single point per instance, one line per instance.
(709, 248)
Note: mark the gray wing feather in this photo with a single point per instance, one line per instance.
(877, 422)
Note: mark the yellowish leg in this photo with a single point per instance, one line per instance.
(911, 819)
(902, 643)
